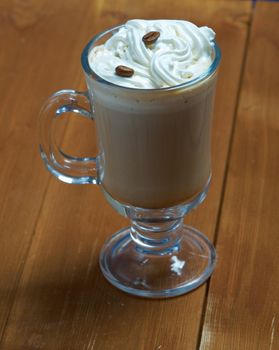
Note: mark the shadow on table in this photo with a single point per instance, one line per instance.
(75, 306)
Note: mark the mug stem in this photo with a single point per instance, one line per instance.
(159, 238)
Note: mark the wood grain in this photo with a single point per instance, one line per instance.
(243, 309)
(31, 33)
(62, 301)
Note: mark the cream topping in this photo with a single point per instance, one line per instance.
(182, 52)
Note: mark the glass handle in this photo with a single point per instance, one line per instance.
(67, 168)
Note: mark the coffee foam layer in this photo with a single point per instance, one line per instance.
(149, 101)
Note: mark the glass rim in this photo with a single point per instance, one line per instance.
(90, 72)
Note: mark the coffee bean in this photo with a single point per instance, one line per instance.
(150, 37)
(124, 71)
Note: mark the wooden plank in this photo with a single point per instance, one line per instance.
(62, 301)
(243, 305)
(30, 34)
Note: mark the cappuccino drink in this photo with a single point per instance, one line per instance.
(154, 114)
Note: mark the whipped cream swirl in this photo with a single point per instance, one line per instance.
(181, 53)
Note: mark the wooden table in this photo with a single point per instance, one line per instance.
(52, 294)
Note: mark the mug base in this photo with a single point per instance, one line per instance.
(154, 274)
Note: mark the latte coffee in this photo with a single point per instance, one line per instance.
(154, 115)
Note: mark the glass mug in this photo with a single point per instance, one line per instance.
(153, 166)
